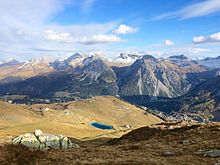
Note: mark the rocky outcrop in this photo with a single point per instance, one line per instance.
(43, 141)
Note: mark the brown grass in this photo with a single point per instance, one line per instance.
(148, 148)
(17, 119)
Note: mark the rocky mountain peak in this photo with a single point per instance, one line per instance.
(146, 60)
(92, 58)
(75, 56)
(71, 62)
(147, 56)
(178, 57)
(126, 58)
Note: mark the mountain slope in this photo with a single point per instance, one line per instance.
(203, 100)
(74, 118)
(201, 103)
(94, 77)
(12, 115)
(152, 77)
(21, 71)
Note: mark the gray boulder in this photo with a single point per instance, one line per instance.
(53, 141)
(40, 141)
(38, 133)
(212, 153)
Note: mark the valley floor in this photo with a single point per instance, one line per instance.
(185, 145)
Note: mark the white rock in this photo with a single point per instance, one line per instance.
(42, 139)
(53, 142)
(30, 141)
(17, 139)
(38, 133)
(64, 143)
(46, 109)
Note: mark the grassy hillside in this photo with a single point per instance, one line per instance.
(13, 115)
(15, 71)
(73, 118)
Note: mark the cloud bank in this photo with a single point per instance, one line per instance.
(207, 39)
(199, 9)
(26, 29)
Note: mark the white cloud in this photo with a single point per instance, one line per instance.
(55, 36)
(215, 37)
(199, 9)
(26, 29)
(199, 39)
(100, 39)
(124, 29)
(168, 42)
(205, 39)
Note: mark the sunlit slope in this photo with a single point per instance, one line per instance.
(23, 73)
(73, 118)
(12, 115)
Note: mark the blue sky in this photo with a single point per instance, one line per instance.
(58, 28)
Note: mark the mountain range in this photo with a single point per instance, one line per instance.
(140, 79)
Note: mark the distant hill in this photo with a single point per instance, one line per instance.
(74, 118)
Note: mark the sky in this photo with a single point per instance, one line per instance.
(58, 28)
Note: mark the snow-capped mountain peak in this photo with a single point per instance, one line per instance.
(37, 61)
(178, 57)
(126, 58)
